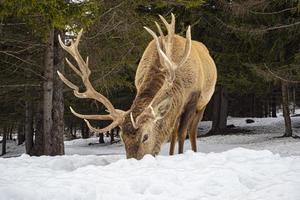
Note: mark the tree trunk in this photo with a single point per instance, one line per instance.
(266, 108)
(101, 138)
(112, 136)
(220, 108)
(53, 122)
(38, 147)
(48, 94)
(70, 131)
(4, 136)
(286, 110)
(28, 126)
(57, 131)
(21, 136)
(74, 132)
(294, 100)
(117, 131)
(253, 107)
(273, 106)
(84, 130)
(10, 133)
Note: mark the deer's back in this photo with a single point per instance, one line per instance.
(197, 74)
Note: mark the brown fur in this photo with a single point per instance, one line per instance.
(190, 93)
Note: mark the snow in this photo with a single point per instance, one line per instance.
(262, 135)
(235, 174)
(250, 166)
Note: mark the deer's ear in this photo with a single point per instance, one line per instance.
(162, 107)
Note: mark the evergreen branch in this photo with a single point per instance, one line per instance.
(244, 8)
(20, 85)
(111, 9)
(257, 31)
(25, 61)
(279, 77)
(12, 24)
(14, 56)
(273, 13)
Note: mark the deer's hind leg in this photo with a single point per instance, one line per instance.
(186, 118)
(193, 128)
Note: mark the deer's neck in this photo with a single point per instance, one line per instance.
(147, 91)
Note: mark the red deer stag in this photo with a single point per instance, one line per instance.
(175, 79)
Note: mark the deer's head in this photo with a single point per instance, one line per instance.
(140, 131)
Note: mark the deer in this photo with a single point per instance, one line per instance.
(175, 79)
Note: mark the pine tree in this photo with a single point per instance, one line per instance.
(256, 45)
(45, 20)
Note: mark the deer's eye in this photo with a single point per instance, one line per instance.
(145, 138)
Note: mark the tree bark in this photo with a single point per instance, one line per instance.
(84, 130)
(28, 126)
(57, 131)
(220, 108)
(253, 106)
(294, 100)
(10, 133)
(38, 147)
(74, 132)
(266, 108)
(4, 136)
(273, 106)
(70, 130)
(286, 110)
(21, 136)
(48, 93)
(112, 136)
(53, 107)
(101, 138)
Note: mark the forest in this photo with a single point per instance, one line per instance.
(59, 58)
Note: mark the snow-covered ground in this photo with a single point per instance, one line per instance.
(235, 174)
(261, 136)
(251, 166)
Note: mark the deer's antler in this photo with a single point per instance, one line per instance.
(165, 47)
(84, 72)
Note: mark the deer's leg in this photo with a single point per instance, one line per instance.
(186, 117)
(193, 128)
(173, 141)
(181, 139)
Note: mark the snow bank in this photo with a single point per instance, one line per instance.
(235, 174)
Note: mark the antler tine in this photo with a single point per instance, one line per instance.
(170, 27)
(76, 43)
(173, 22)
(154, 36)
(75, 88)
(159, 29)
(133, 121)
(73, 51)
(171, 31)
(102, 130)
(74, 68)
(67, 82)
(93, 117)
(163, 57)
(162, 37)
(187, 48)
